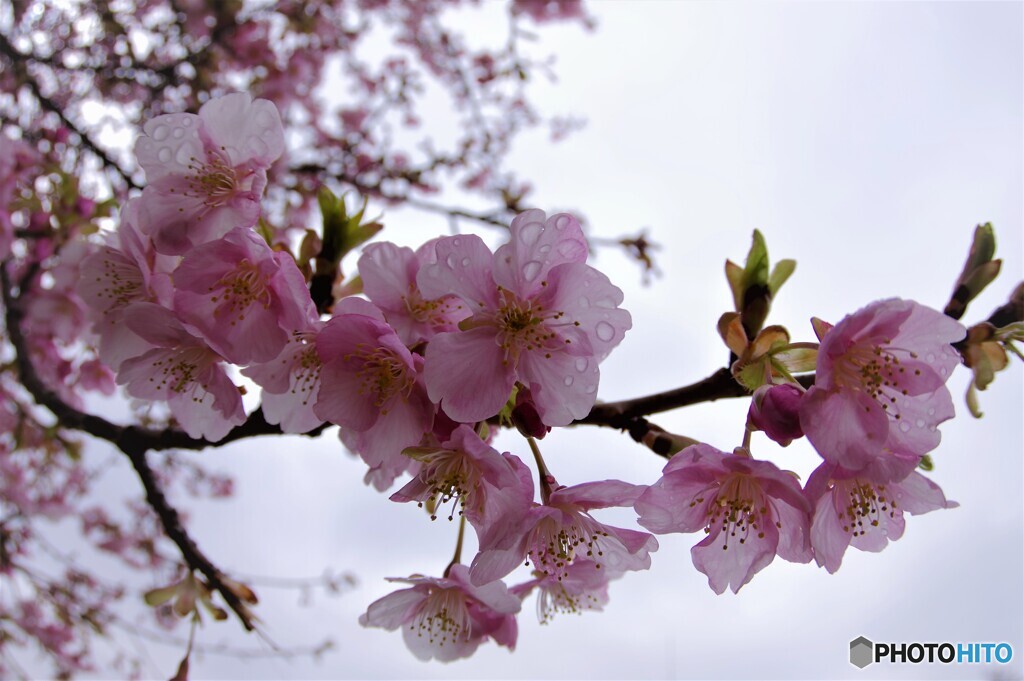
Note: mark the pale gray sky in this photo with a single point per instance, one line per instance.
(864, 140)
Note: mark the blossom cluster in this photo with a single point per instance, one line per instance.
(873, 412)
(453, 339)
(446, 339)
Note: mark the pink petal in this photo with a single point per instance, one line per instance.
(604, 494)
(827, 535)
(168, 144)
(388, 272)
(847, 428)
(535, 248)
(564, 387)
(737, 565)
(248, 130)
(916, 494)
(462, 268)
(588, 297)
(392, 611)
(466, 373)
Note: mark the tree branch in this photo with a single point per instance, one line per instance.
(134, 442)
(626, 414)
(20, 60)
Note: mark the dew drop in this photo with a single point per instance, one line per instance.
(562, 222)
(178, 133)
(931, 357)
(450, 260)
(591, 389)
(931, 411)
(530, 233)
(943, 371)
(568, 381)
(531, 270)
(605, 331)
(465, 262)
(159, 133)
(583, 302)
(456, 241)
(164, 155)
(920, 423)
(885, 532)
(545, 249)
(186, 121)
(904, 427)
(581, 364)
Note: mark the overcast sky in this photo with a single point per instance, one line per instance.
(865, 141)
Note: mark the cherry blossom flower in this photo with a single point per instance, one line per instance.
(182, 370)
(127, 270)
(447, 618)
(389, 280)
(489, 488)
(556, 534)
(879, 392)
(863, 513)
(242, 296)
(371, 384)
(749, 509)
(583, 587)
(206, 172)
(540, 316)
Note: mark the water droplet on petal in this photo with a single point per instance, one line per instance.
(164, 155)
(450, 260)
(605, 331)
(178, 133)
(531, 270)
(931, 357)
(583, 302)
(545, 249)
(931, 411)
(465, 262)
(530, 232)
(159, 133)
(581, 364)
(562, 222)
(904, 427)
(943, 371)
(186, 121)
(568, 381)
(591, 389)
(456, 241)
(920, 423)
(885, 532)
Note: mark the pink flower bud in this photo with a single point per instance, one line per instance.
(775, 409)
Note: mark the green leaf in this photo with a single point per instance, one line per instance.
(734, 273)
(755, 272)
(926, 463)
(780, 273)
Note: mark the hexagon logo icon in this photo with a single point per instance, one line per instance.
(861, 652)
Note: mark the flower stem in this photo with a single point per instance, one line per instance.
(457, 558)
(546, 479)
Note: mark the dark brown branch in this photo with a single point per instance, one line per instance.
(19, 62)
(134, 442)
(626, 414)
